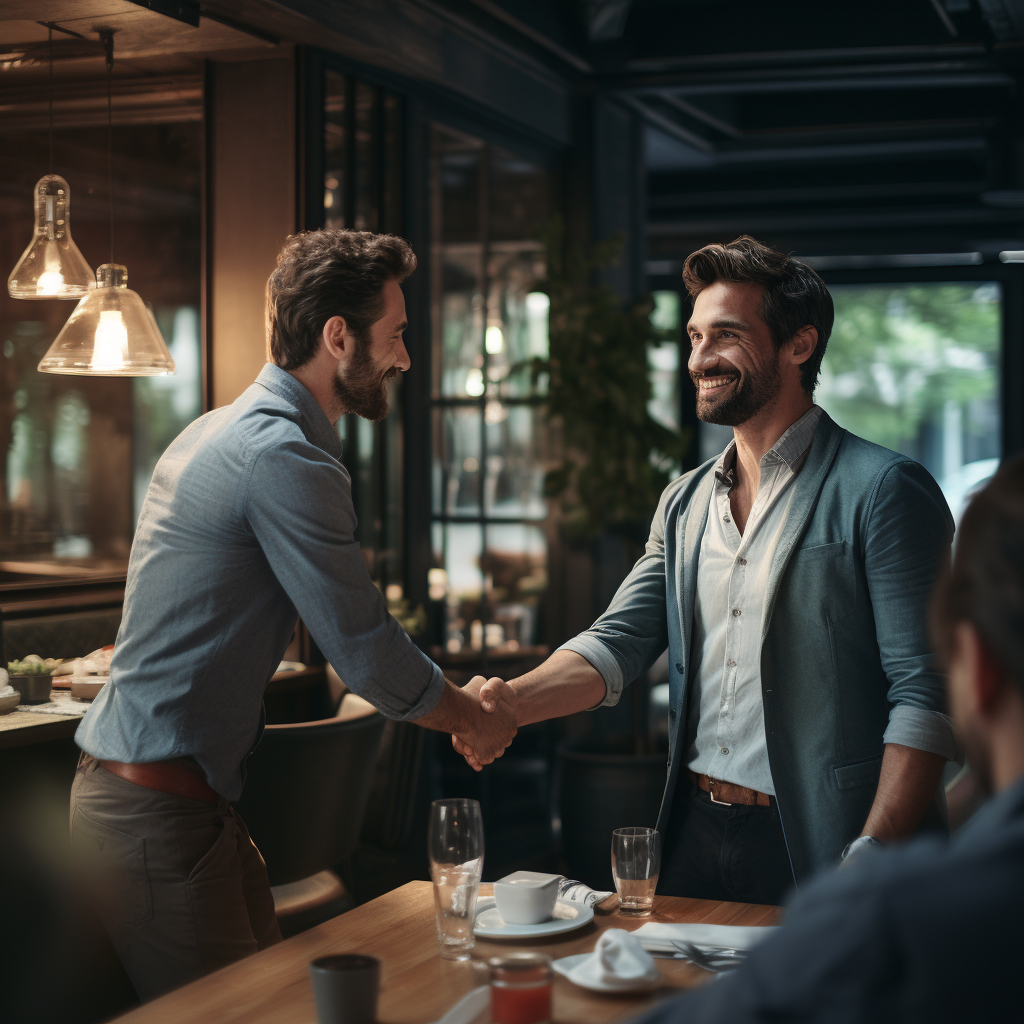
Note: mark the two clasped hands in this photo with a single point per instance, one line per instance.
(494, 727)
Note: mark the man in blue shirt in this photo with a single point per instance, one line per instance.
(930, 932)
(247, 523)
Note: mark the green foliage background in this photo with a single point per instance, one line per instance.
(898, 353)
(617, 458)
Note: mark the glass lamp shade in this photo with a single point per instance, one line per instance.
(110, 334)
(51, 267)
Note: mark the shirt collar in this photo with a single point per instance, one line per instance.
(317, 427)
(790, 448)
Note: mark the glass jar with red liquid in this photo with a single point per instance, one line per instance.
(521, 988)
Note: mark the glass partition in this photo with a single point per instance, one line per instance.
(490, 440)
(363, 190)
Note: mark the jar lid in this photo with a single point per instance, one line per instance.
(520, 969)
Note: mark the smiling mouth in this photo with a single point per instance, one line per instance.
(706, 384)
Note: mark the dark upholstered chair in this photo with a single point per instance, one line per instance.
(306, 790)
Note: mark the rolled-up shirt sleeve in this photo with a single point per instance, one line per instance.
(298, 504)
(628, 638)
(923, 730)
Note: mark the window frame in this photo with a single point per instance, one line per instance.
(1011, 280)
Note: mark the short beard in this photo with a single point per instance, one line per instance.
(363, 389)
(751, 394)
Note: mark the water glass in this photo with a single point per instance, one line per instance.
(456, 847)
(636, 863)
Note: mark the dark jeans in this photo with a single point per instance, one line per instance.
(714, 852)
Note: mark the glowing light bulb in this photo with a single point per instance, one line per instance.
(111, 342)
(51, 266)
(475, 382)
(494, 340)
(50, 283)
(111, 332)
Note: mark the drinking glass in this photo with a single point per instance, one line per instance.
(456, 848)
(636, 862)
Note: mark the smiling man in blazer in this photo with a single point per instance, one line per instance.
(789, 579)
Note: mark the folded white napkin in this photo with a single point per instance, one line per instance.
(659, 937)
(618, 960)
(570, 889)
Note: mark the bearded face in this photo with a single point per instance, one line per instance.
(363, 387)
(729, 396)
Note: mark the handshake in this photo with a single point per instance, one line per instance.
(491, 721)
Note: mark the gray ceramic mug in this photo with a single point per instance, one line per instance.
(345, 988)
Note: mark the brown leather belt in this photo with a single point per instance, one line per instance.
(165, 777)
(730, 793)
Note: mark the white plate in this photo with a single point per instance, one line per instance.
(9, 702)
(567, 963)
(567, 917)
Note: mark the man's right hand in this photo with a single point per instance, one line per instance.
(494, 724)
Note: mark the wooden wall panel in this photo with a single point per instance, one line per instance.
(252, 192)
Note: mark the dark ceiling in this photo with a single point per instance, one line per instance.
(882, 125)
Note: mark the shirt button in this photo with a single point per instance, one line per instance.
(727, 519)
(725, 750)
(679, 666)
(731, 664)
(736, 613)
(742, 561)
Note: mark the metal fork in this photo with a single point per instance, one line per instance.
(719, 960)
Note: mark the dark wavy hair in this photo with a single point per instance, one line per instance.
(328, 273)
(985, 583)
(794, 295)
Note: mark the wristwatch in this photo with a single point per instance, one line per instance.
(859, 845)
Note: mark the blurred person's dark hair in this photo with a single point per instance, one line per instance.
(985, 583)
(794, 295)
(321, 274)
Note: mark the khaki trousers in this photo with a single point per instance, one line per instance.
(178, 883)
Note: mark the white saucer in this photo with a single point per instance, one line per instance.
(566, 917)
(567, 963)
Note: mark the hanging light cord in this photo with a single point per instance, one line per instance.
(50, 27)
(108, 45)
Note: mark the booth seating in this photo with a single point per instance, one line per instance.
(70, 634)
(305, 797)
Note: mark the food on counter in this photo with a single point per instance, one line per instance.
(95, 664)
(33, 665)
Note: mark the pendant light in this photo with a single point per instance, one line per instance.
(111, 332)
(51, 267)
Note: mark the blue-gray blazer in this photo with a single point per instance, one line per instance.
(845, 652)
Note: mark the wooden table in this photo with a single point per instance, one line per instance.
(417, 986)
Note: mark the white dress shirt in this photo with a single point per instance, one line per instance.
(725, 727)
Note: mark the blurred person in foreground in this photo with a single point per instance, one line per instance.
(789, 578)
(928, 932)
(247, 523)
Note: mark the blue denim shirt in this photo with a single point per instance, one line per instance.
(248, 522)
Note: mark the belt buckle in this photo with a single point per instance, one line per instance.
(711, 793)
